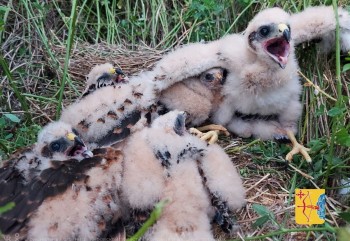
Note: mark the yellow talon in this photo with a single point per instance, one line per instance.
(297, 148)
(212, 135)
(214, 127)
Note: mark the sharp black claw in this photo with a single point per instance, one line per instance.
(286, 164)
(311, 166)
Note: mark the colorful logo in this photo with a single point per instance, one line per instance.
(310, 206)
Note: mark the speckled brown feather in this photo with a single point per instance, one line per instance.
(122, 131)
(112, 111)
(51, 182)
(11, 179)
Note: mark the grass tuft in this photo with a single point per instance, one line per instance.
(65, 77)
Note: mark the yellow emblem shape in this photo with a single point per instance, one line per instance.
(310, 206)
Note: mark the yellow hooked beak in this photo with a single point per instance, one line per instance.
(77, 141)
(111, 71)
(82, 149)
(71, 136)
(284, 29)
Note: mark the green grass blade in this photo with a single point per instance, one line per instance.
(13, 85)
(69, 45)
(157, 211)
(336, 119)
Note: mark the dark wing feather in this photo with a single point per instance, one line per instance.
(12, 179)
(223, 216)
(123, 127)
(137, 219)
(90, 90)
(104, 80)
(114, 231)
(51, 182)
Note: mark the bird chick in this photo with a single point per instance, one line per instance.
(57, 141)
(109, 114)
(172, 164)
(112, 112)
(56, 173)
(260, 96)
(103, 75)
(198, 96)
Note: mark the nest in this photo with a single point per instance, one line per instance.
(266, 184)
(40, 83)
(86, 56)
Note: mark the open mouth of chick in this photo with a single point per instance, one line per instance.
(278, 50)
(77, 150)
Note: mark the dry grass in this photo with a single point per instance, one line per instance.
(83, 58)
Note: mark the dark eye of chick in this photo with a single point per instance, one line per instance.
(209, 77)
(55, 146)
(264, 31)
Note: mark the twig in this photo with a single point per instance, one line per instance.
(276, 214)
(258, 194)
(240, 236)
(338, 203)
(332, 216)
(283, 231)
(316, 87)
(301, 172)
(238, 149)
(262, 179)
(319, 238)
(40, 110)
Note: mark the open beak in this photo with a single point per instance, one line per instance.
(78, 141)
(78, 148)
(278, 48)
(121, 78)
